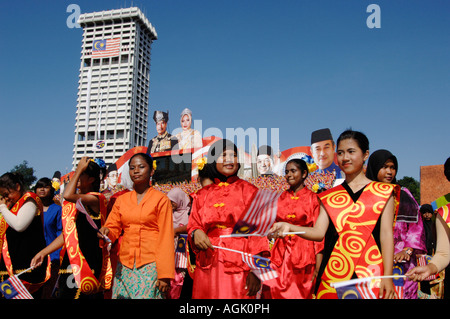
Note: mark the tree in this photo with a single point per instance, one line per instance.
(411, 184)
(27, 173)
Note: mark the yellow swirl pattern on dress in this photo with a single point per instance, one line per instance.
(355, 250)
(338, 199)
(89, 285)
(85, 279)
(383, 190)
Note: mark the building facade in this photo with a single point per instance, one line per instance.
(113, 87)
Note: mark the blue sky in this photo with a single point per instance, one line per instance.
(295, 65)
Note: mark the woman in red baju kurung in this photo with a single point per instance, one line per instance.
(294, 258)
(221, 274)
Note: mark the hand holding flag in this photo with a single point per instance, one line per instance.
(363, 288)
(258, 264)
(13, 288)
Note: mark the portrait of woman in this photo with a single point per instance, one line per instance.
(188, 137)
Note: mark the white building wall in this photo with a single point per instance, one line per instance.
(116, 97)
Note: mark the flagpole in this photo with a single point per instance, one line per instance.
(240, 252)
(26, 270)
(245, 235)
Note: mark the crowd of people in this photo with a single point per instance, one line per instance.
(160, 242)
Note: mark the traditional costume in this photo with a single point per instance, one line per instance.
(356, 218)
(180, 219)
(219, 273)
(85, 270)
(146, 250)
(408, 231)
(18, 248)
(293, 257)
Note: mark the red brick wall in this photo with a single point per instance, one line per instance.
(433, 183)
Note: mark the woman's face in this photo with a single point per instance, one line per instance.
(387, 173)
(43, 192)
(186, 122)
(140, 171)
(10, 195)
(350, 156)
(227, 163)
(84, 183)
(294, 175)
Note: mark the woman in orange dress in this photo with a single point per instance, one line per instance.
(143, 217)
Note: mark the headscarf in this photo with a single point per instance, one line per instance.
(376, 162)
(408, 210)
(216, 150)
(181, 214)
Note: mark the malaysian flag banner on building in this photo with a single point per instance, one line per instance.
(105, 48)
(13, 288)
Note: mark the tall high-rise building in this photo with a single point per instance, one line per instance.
(113, 87)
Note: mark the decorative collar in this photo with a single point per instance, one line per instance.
(228, 180)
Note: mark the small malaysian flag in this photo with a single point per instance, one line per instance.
(399, 281)
(180, 252)
(260, 266)
(423, 261)
(106, 48)
(261, 214)
(13, 288)
(358, 290)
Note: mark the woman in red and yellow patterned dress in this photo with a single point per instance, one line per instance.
(79, 279)
(294, 258)
(21, 233)
(362, 213)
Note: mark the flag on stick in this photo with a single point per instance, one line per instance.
(180, 252)
(259, 217)
(361, 288)
(423, 261)
(13, 288)
(259, 265)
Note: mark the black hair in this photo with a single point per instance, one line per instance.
(206, 172)
(426, 208)
(45, 182)
(360, 138)
(97, 172)
(147, 157)
(11, 179)
(301, 165)
(447, 169)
